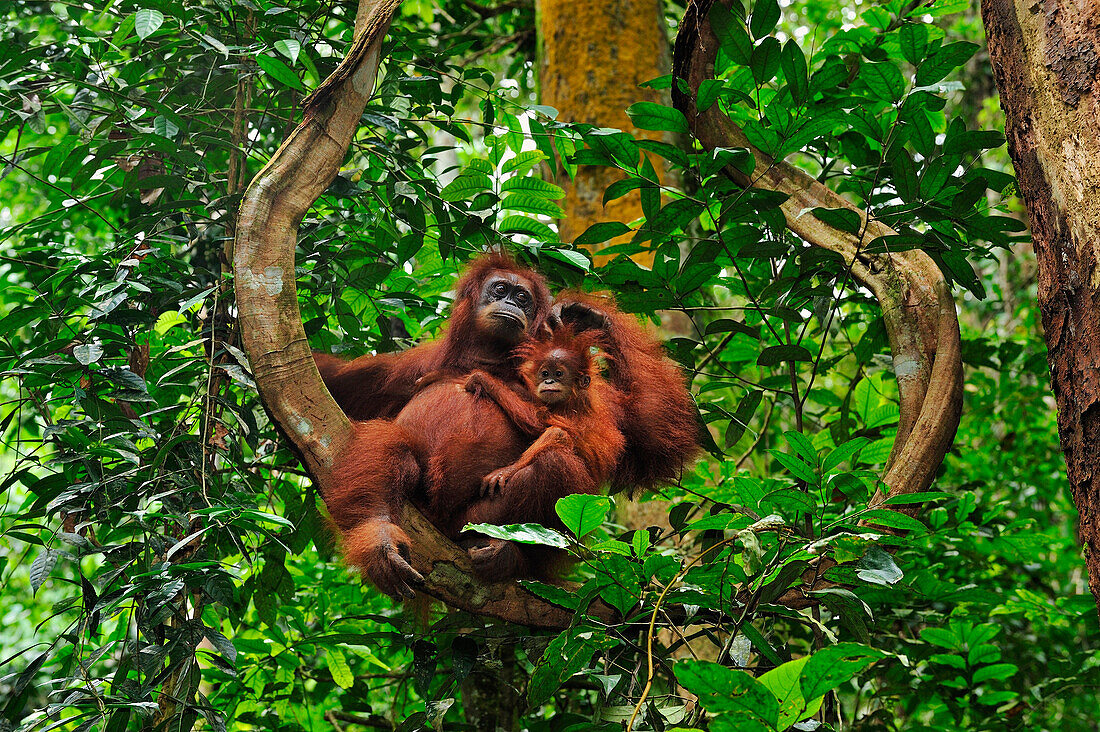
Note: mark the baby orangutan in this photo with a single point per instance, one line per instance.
(573, 413)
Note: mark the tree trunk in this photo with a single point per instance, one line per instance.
(592, 57)
(1046, 60)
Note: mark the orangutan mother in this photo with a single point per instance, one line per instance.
(452, 438)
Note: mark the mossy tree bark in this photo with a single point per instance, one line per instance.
(1046, 59)
(592, 57)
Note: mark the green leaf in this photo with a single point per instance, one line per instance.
(522, 533)
(566, 655)
(479, 165)
(551, 593)
(582, 513)
(263, 517)
(119, 720)
(878, 451)
(746, 408)
(531, 204)
(41, 567)
(524, 225)
(911, 498)
(740, 698)
(884, 80)
(601, 232)
(948, 659)
(998, 672)
(783, 681)
(847, 451)
(709, 91)
(832, 666)
(765, 16)
(798, 468)
(671, 153)
(612, 545)
(167, 320)
(844, 219)
(893, 520)
(941, 637)
(878, 567)
(973, 140)
(466, 186)
(941, 8)
(802, 446)
(765, 60)
(617, 145)
(731, 34)
(289, 48)
(913, 38)
(338, 667)
(620, 188)
(673, 216)
(831, 74)
(533, 186)
(279, 71)
(88, 353)
(165, 127)
(147, 21)
(727, 325)
(523, 161)
(760, 643)
(943, 60)
(774, 355)
(651, 116)
(793, 62)
(570, 256)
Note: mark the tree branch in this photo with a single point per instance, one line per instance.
(921, 323)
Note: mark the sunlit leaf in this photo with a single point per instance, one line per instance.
(279, 71)
(147, 21)
(582, 514)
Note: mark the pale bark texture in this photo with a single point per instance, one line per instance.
(921, 323)
(1046, 59)
(592, 57)
(271, 325)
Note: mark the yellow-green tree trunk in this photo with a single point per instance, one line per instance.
(592, 57)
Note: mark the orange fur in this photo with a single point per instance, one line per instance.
(576, 452)
(438, 441)
(436, 445)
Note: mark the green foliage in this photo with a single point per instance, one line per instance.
(165, 560)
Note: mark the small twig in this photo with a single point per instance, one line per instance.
(759, 436)
(375, 721)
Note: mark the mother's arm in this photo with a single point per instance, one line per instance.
(372, 387)
(658, 417)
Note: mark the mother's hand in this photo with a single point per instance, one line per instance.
(581, 315)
